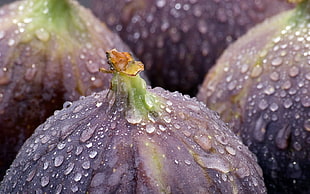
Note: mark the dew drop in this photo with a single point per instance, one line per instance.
(31, 175)
(44, 181)
(160, 3)
(98, 104)
(78, 150)
(93, 154)
(274, 107)
(294, 71)
(277, 61)
(58, 189)
(263, 104)
(274, 76)
(67, 104)
(259, 130)
(11, 42)
(77, 177)
(42, 34)
(286, 85)
(69, 168)
(2, 34)
(307, 125)
(150, 129)
(87, 134)
(187, 162)
(162, 128)
(287, 103)
(203, 141)
(256, 71)
(74, 188)
(230, 150)
(133, 116)
(86, 165)
(58, 160)
(202, 26)
(167, 119)
(269, 90)
(282, 137)
(4, 76)
(216, 163)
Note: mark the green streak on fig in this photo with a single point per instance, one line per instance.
(127, 83)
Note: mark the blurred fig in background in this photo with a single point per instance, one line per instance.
(50, 52)
(180, 40)
(133, 139)
(261, 85)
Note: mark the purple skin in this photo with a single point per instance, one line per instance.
(261, 86)
(178, 41)
(109, 143)
(40, 70)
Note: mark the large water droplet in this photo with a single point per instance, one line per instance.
(204, 142)
(93, 154)
(133, 116)
(214, 162)
(77, 177)
(69, 168)
(277, 61)
(256, 71)
(274, 107)
(294, 71)
(160, 3)
(263, 104)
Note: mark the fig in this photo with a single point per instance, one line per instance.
(260, 85)
(173, 36)
(50, 52)
(133, 139)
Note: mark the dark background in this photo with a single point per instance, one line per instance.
(84, 2)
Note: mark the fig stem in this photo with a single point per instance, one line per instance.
(128, 85)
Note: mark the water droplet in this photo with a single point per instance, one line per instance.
(287, 103)
(79, 150)
(263, 104)
(77, 109)
(307, 125)
(160, 3)
(86, 165)
(162, 128)
(150, 129)
(31, 175)
(45, 165)
(204, 142)
(93, 154)
(2, 34)
(67, 104)
(69, 168)
(98, 104)
(11, 42)
(305, 101)
(277, 61)
(274, 76)
(87, 133)
(274, 107)
(294, 71)
(27, 20)
(187, 162)
(44, 181)
(58, 160)
(282, 137)
(230, 150)
(5, 76)
(286, 85)
(256, 71)
(167, 119)
(269, 90)
(77, 177)
(42, 34)
(74, 188)
(133, 116)
(202, 26)
(232, 85)
(214, 162)
(244, 68)
(297, 146)
(259, 129)
(58, 189)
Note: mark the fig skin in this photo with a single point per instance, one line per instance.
(179, 41)
(155, 142)
(260, 85)
(46, 59)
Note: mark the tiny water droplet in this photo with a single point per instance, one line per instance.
(77, 177)
(44, 181)
(150, 129)
(274, 107)
(93, 154)
(58, 160)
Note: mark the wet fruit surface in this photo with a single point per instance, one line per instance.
(261, 86)
(50, 52)
(132, 139)
(180, 40)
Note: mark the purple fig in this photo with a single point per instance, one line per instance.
(50, 52)
(261, 86)
(180, 40)
(133, 139)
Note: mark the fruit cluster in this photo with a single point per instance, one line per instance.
(78, 115)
